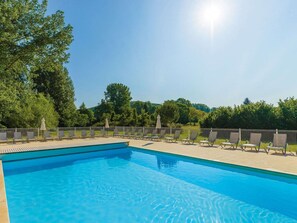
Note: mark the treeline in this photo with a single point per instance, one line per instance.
(259, 115)
(120, 110)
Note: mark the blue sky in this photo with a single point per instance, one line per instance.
(164, 49)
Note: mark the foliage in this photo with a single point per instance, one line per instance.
(254, 115)
(30, 40)
(85, 117)
(247, 101)
(119, 96)
(169, 112)
(57, 85)
(201, 107)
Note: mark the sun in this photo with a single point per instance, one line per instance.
(212, 13)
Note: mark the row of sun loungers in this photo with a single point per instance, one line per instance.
(18, 137)
(279, 142)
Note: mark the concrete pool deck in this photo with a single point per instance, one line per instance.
(273, 162)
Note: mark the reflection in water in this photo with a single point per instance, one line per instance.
(126, 155)
(166, 162)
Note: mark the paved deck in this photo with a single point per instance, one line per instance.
(272, 162)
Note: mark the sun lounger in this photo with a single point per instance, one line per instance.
(253, 143)
(127, 133)
(83, 134)
(71, 134)
(3, 137)
(92, 133)
(211, 139)
(192, 138)
(47, 136)
(150, 136)
(279, 143)
(173, 138)
(159, 137)
(61, 135)
(31, 136)
(17, 137)
(116, 133)
(138, 134)
(233, 141)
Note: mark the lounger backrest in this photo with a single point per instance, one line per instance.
(255, 138)
(155, 131)
(30, 135)
(234, 137)
(162, 133)
(280, 140)
(193, 135)
(71, 133)
(61, 134)
(212, 137)
(145, 132)
(176, 134)
(3, 136)
(116, 131)
(46, 134)
(102, 131)
(83, 133)
(17, 135)
(92, 133)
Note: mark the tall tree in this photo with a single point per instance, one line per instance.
(58, 85)
(169, 112)
(247, 101)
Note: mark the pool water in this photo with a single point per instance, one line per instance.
(133, 185)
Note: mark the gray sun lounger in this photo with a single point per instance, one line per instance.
(83, 134)
(71, 134)
(150, 136)
(173, 138)
(31, 136)
(138, 134)
(253, 143)
(279, 143)
(17, 137)
(116, 133)
(159, 137)
(92, 133)
(103, 133)
(61, 135)
(211, 139)
(192, 138)
(233, 141)
(47, 136)
(127, 133)
(3, 137)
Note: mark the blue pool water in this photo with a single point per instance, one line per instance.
(131, 185)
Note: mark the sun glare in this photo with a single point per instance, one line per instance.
(212, 15)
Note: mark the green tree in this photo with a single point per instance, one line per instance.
(85, 116)
(247, 101)
(119, 96)
(169, 112)
(144, 118)
(194, 115)
(287, 113)
(58, 85)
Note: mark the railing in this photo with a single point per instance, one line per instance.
(267, 134)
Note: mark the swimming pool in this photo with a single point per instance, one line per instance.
(134, 185)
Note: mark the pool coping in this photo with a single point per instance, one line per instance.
(244, 167)
(4, 215)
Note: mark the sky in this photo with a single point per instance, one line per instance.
(216, 52)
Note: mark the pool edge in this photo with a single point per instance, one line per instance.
(4, 216)
(269, 171)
